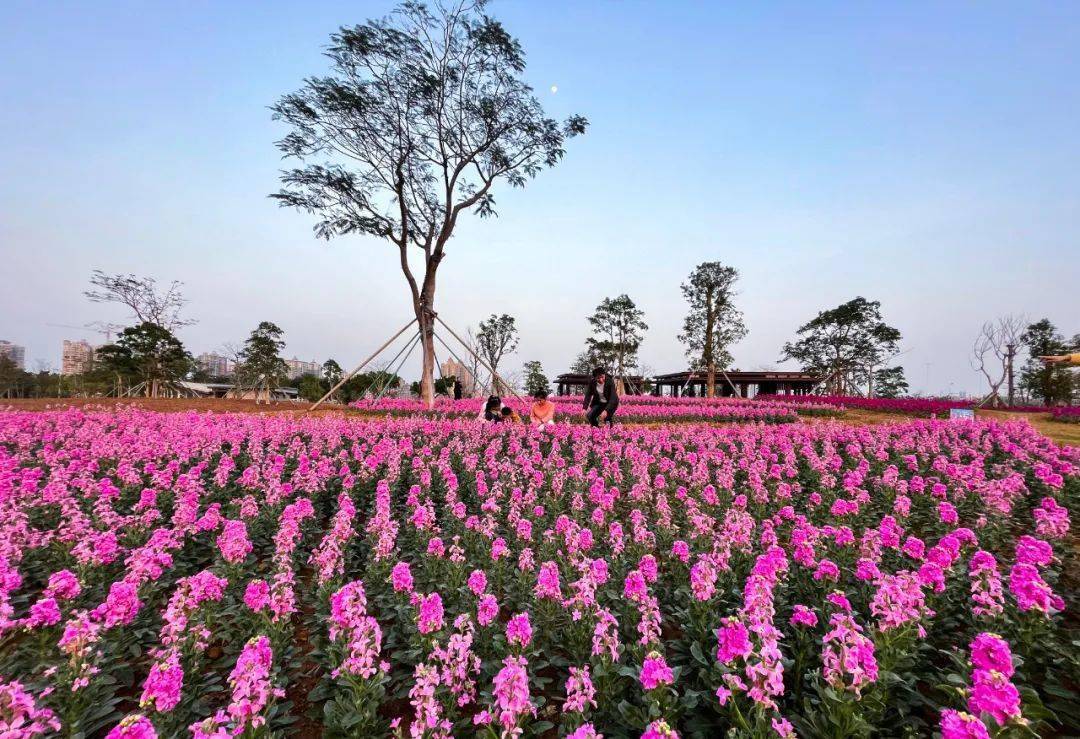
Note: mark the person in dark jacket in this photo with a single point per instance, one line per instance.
(601, 400)
(457, 389)
(493, 409)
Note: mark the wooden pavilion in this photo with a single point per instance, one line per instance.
(748, 384)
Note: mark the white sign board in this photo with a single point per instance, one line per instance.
(955, 413)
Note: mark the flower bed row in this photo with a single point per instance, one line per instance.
(632, 409)
(918, 407)
(172, 574)
(1067, 415)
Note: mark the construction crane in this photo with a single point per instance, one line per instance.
(97, 327)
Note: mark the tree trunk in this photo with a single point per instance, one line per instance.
(425, 319)
(710, 389)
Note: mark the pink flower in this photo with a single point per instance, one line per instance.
(635, 587)
(958, 725)
(512, 692)
(547, 582)
(659, 729)
(783, 727)
(133, 727)
(233, 542)
(585, 731)
(164, 683)
(121, 605)
(580, 693)
(518, 630)
(827, 570)
(804, 616)
(993, 693)
(655, 672)
(487, 609)
(401, 578)
(257, 595)
(703, 579)
(1030, 590)
(991, 652)
(64, 585)
(477, 582)
(431, 613)
(734, 640)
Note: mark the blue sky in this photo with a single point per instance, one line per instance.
(922, 154)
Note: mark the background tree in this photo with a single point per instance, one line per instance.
(618, 328)
(141, 295)
(309, 387)
(535, 379)
(148, 353)
(1051, 384)
(421, 114)
(713, 323)
(890, 383)
(260, 364)
(496, 338)
(993, 352)
(846, 345)
(586, 361)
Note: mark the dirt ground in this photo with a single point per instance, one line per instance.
(1062, 433)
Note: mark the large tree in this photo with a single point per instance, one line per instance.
(846, 345)
(535, 379)
(618, 327)
(147, 353)
(890, 382)
(260, 365)
(993, 354)
(421, 114)
(496, 338)
(141, 295)
(713, 323)
(1049, 383)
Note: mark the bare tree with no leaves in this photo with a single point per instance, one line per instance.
(994, 350)
(148, 304)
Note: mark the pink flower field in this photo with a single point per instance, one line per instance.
(632, 408)
(218, 575)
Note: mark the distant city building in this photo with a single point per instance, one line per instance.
(215, 364)
(452, 368)
(78, 357)
(14, 352)
(298, 368)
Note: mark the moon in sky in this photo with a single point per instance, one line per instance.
(554, 89)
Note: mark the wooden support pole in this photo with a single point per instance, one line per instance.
(478, 358)
(361, 366)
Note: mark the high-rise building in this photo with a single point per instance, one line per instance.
(215, 364)
(452, 368)
(14, 352)
(78, 357)
(298, 367)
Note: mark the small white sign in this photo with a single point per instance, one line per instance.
(955, 413)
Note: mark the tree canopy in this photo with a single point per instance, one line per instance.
(147, 353)
(535, 379)
(261, 365)
(421, 114)
(496, 338)
(618, 327)
(1050, 384)
(713, 323)
(846, 345)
